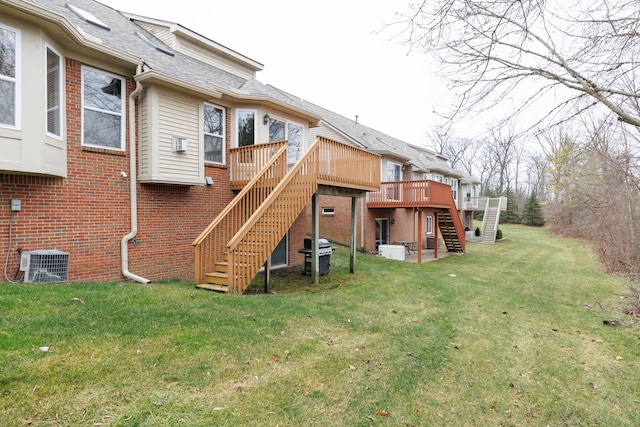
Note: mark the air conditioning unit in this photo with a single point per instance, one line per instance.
(179, 144)
(45, 266)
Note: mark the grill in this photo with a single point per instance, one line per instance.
(324, 253)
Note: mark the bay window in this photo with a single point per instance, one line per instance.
(9, 77)
(54, 93)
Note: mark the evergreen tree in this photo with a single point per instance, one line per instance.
(532, 214)
(510, 216)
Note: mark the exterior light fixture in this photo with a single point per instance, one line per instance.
(266, 118)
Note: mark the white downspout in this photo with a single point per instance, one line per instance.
(133, 185)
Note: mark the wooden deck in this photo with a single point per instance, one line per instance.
(231, 250)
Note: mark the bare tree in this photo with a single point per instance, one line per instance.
(582, 53)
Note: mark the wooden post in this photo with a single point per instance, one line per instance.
(315, 231)
(267, 274)
(419, 239)
(436, 230)
(352, 245)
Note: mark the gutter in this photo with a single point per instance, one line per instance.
(124, 247)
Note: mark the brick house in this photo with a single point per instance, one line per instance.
(124, 137)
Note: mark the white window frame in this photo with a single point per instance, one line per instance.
(223, 135)
(397, 167)
(429, 224)
(16, 80)
(237, 124)
(122, 115)
(454, 190)
(287, 124)
(61, 79)
(328, 211)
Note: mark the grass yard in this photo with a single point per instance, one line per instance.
(510, 334)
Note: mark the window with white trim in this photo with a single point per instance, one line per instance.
(10, 62)
(292, 132)
(103, 119)
(246, 127)
(54, 93)
(214, 142)
(429, 224)
(328, 211)
(454, 190)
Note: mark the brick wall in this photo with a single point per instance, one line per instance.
(88, 213)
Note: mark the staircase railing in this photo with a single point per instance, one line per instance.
(440, 195)
(211, 245)
(491, 220)
(258, 237)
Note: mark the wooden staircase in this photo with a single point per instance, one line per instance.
(491, 220)
(232, 249)
(449, 231)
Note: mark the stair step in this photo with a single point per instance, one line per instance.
(213, 287)
(217, 278)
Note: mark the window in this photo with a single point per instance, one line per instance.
(9, 77)
(454, 190)
(279, 130)
(328, 211)
(394, 171)
(54, 93)
(245, 123)
(214, 145)
(102, 110)
(429, 224)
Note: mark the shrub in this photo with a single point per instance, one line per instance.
(477, 232)
(499, 234)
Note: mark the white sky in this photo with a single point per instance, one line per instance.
(327, 53)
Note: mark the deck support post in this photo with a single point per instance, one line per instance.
(436, 231)
(267, 274)
(315, 231)
(352, 243)
(419, 239)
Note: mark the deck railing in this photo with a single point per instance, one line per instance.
(211, 245)
(246, 162)
(347, 166)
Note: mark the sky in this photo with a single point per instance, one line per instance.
(335, 53)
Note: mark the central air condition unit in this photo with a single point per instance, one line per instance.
(179, 144)
(46, 266)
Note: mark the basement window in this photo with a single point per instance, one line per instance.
(88, 17)
(328, 211)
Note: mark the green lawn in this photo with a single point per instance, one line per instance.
(510, 334)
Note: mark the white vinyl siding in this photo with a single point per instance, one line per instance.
(166, 114)
(178, 118)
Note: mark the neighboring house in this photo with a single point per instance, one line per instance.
(406, 209)
(125, 137)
